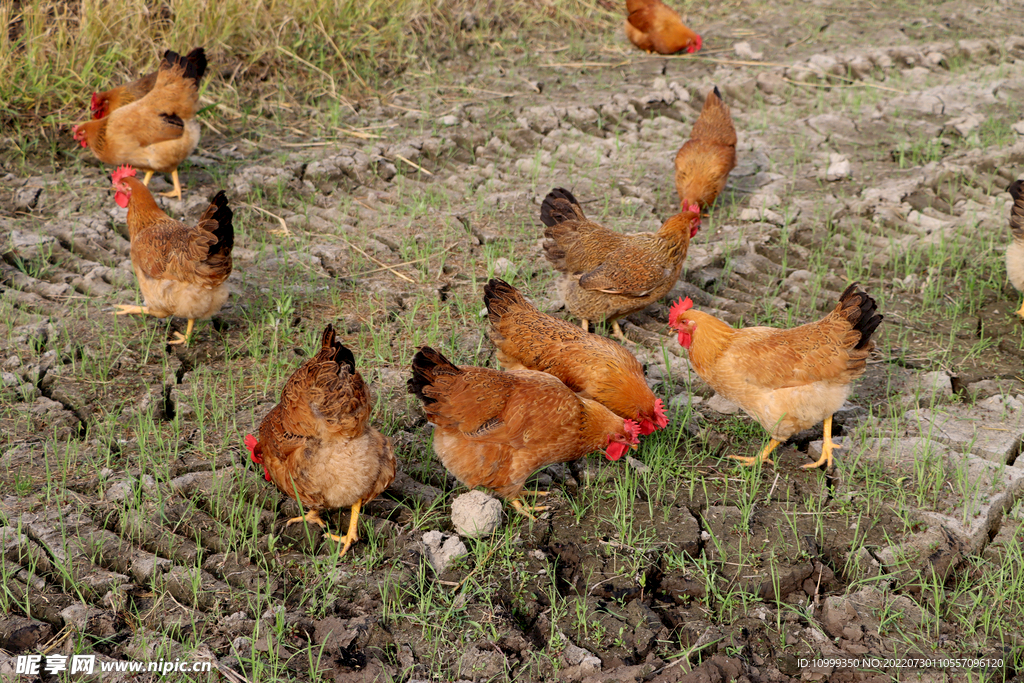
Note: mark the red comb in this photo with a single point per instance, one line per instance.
(633, 429)
(677, 309)
(695, 45)
(659, 412)
(693, 208)
(251, 442)
(121, 173)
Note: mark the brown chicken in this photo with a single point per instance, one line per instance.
(155, 133)
(494, 428)
(182, 270)
(655, 27)
(704, 161)
(608, 274)
(317, 445)
(590, 365)
(1015, 250)
(787, 380)
(107, 101)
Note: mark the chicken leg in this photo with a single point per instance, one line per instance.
(585, 324)
(826, 447)
(353, 531)
(617, 331)
(147, 178)
(180, 338)
(1021, 311)
(131, 309)
(525, 510)
(762, 457)
(176, 192)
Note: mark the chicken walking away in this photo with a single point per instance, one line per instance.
(494, 429)
(606, 274)
(317, 444)
(182, 270)
(591, 365)
(787, 380)
(704, 161)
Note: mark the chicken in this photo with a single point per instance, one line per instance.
(704, 161)
(590, 365)
(787, 380)
(107, 101)
(317, 445)
(654, 27)
(1015, 250)
(608, 274)
(494, 428)
(155, 133)
(182, 270)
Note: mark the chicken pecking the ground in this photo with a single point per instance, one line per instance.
(494, 429)
(704, 161)
(591, 365)
(182, 269)
(608, 274)
(103, 103)
(155, 133)
(654, 27)
(317, 444)
(1015, 250)
(787, 380)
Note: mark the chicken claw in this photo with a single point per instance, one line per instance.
(826, 448)
(525, 510)
(353, 531)
(180, 338)
(176, 192)
(617, 332)
(311, 516)
(761, 457)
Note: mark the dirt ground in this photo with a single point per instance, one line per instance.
(875, 144)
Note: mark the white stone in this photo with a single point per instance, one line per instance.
(441, 549)
(744, 51)
(476, 514)
(722, 405)
(838, 168)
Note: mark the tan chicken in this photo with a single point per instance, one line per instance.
(590, 365)
(103, 103)
(495, 429)
(654, 27)
(607, 274)
(1015, 250)
(787, 380)
(156, 133)
(182, 270)
(704, 161)
(317, 444)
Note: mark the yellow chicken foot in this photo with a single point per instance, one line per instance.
(146, 179)
(525, 510)
(534, 493)
(176, 192)
(585, 324)
(1021, 311)
(129, 309)
(826, 447)
(180, 338)
(617, 331)
(353, 535)
(761, 457)
(311, 516)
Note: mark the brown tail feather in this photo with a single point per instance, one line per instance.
(862, 312)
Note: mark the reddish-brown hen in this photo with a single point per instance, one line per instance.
(787, 380)
(107, 101)
(590, 365)
(317, 445)
(155, 133)
(609, 274)
(655, 27)
(704, 161)
(182, 269)
(495, 429)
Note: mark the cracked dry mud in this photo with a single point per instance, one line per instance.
(123, 467)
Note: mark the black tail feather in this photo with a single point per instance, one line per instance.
(190, 68)
(550, 214)
(718, 93)
(198, 58)
(225, 232)
(426, 365)
(868, 320)
(497, 295)
(341, 354)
